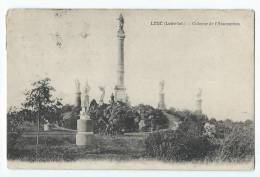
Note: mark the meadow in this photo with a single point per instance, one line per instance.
(60, 146)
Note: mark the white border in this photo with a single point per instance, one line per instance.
(132, 4)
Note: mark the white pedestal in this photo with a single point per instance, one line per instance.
(84, 134)
(84, 138)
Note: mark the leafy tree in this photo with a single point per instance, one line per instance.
(39, 100)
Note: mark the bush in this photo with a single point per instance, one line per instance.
(178, 146)
(14, 129)
(198, 138)
(113, 119)
(188, 142)
(154, 119)
(239, 144)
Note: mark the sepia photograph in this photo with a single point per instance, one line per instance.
(114, 89)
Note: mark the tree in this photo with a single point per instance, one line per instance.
(39, 100)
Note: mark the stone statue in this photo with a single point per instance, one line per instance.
(162, 83)
(161, 104)
(78, 96)
(86, 97)
(101, 100)
(121, 23)
(199, 94)
(77, 83)
(199, 102)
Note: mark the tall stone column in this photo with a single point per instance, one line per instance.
(120, 90)
(161, 104)
(198, 109)
(78, 94)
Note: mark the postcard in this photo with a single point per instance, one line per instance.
(130, 89)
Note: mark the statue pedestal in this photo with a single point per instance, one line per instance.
(84, 138)
(84, 134)
(120, 93)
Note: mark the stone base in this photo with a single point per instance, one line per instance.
(85, 134)
(84, 138)
(85, 125)
(120, 93)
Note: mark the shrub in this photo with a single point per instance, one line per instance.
(178, 145)
(113, 119)
(14, 129)
(153, 118)
(238, 144)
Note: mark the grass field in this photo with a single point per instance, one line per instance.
(60, 146)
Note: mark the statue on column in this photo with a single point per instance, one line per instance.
(161, 104)
(162, 83)
(77, 84)
(199, 94)
(199, 102)
(121, 23)
(78, 96)
(101, 100)
(85, 104)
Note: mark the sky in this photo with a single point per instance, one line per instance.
(65, 45)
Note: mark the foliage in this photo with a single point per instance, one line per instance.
(119, 117)
(193, 124)
(39, 100)
(66, 108)
(39, 103)
(239, 143)
(14, 119)
(70, 115)
(114, 118)
(14, 131)
(178, 145)
(188, 142)
(154, 119)
(198, 138)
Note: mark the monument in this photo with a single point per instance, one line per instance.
(198, 109)
(161, 104)
(120, 90)
(101, 99)
(78, 94)
(84, 134)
